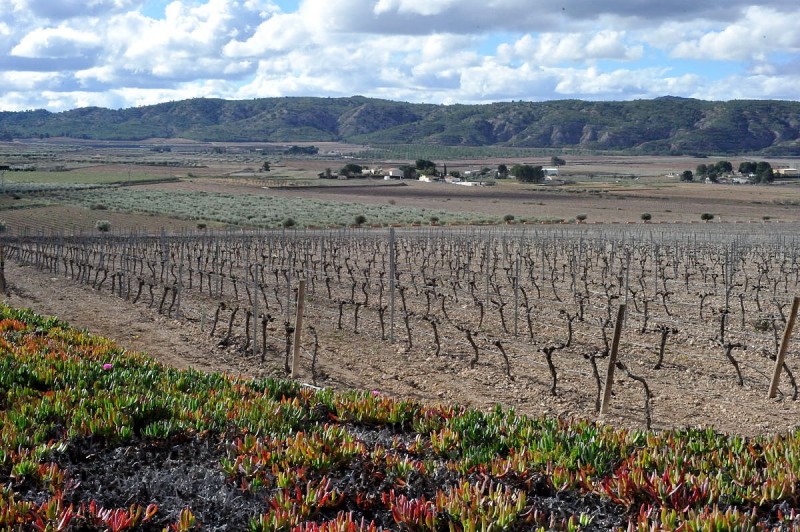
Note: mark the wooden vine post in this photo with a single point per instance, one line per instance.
(779, 360)
(255, 306)
(3, 288)
(392, 281)
(298, 326)
(612, 360)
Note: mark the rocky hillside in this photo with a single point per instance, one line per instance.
(665, 125)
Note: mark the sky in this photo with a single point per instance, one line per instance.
(65, 54)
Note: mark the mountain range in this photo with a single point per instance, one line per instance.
(667, 125)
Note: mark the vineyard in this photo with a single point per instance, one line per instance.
(511, 315)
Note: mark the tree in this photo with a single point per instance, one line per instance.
(747, 168)
(765, 175)
(360, 219)
(706, 217)
(289, 222)
(557, 161)
(265, 166)
(409, 172)
(581, 218)
(502, 171)
(687, 176)
(426, 167)
(351, 169)
(646, 216)
(760, 172)
(724, 167)
(701, 170)
(104, 226)
(302, 150)
(525, 173)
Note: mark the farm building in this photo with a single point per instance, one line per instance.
(395, 173)
(787, 172)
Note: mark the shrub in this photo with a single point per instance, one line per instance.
(3, 226)
(201, 225)
(360, 219)
(434, 219)
(289, 222)
(508, 218)
(98, 207)
(104, 226)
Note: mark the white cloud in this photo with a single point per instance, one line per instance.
(760, 32)
(280, 32)
(58, 42)
(26, 81)
(773, 87)
(643, 83)
(555, 48)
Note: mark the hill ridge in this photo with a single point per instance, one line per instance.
(665, 125)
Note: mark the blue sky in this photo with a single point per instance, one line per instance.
(123, 53)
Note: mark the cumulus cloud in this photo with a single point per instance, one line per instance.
(280, 32)
(555, 48)
(760, 32)
(59, 42)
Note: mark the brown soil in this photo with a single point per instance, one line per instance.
(684, 395)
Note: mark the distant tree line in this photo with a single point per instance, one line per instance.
(757, 172)
(301, 150)
(524, 173)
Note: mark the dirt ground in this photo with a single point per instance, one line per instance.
(682, 395)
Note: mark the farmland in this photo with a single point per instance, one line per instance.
(518, 316)
(476, 313)
(440, 293)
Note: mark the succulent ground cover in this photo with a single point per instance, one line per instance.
(95, 438)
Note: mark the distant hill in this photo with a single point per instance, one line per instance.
(661, 126)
